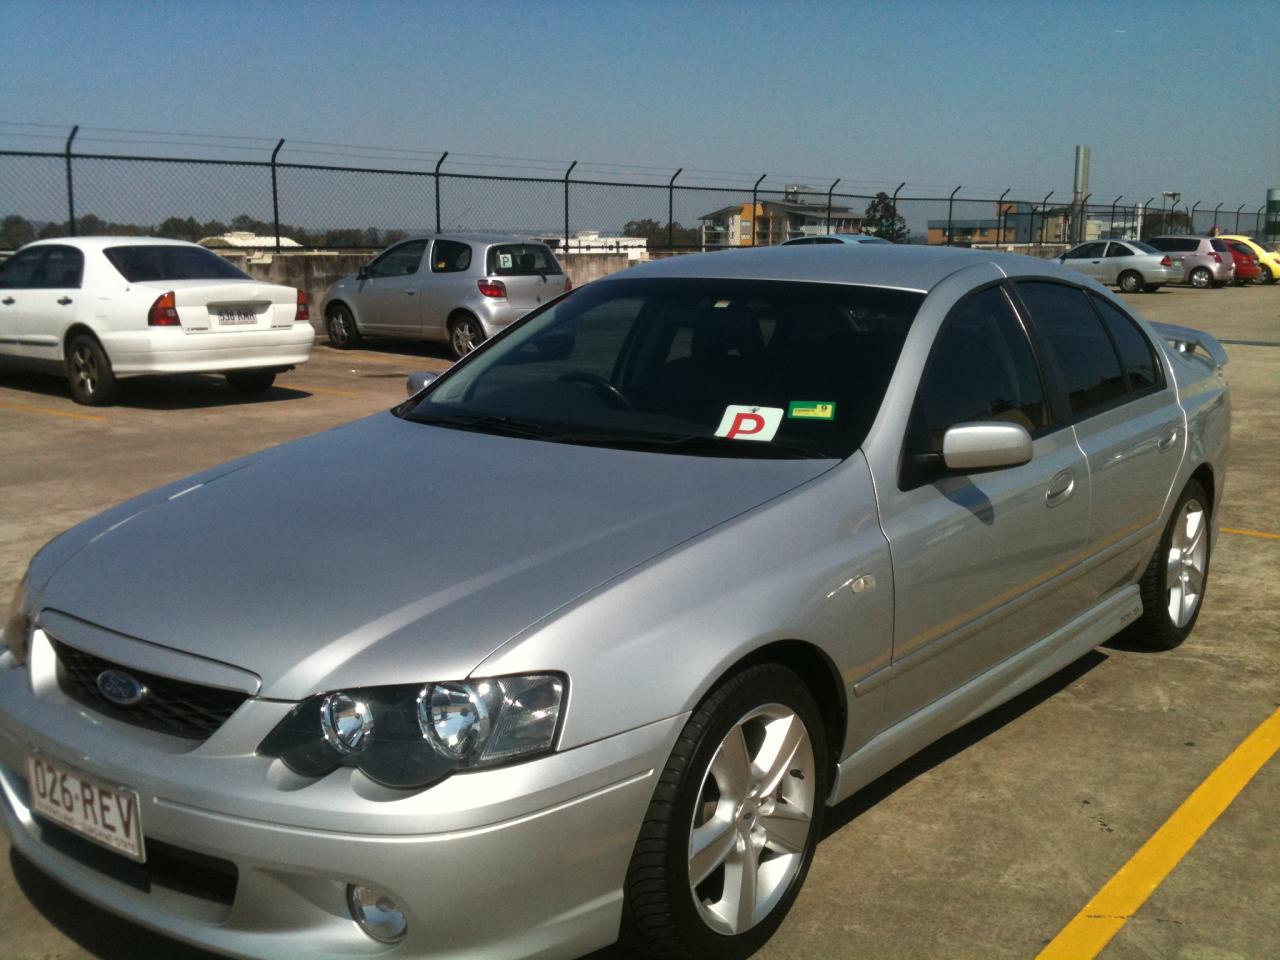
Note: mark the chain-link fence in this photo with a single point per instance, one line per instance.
(272, 204)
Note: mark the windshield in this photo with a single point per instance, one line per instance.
(1143, 247)
(744, 368)
(139, 263)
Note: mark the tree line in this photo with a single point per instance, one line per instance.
(16, 230)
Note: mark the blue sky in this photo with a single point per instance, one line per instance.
(987, 95)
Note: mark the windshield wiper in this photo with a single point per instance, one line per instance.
(694, 443)
(489, 423)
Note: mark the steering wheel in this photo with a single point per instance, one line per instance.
(600, 384)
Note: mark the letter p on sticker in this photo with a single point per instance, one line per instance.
(742, 422)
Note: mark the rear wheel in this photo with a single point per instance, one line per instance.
(89, 372)
(340, 325)
(1201, 277)
(250, 381)
(1174, 582)
(735, 818)
(465, 334)
(1130, 281)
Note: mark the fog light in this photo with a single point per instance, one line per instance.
(377, 914)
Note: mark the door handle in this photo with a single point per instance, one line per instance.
(64, 300)
(7, 301)
(1060, 488)
(1165, 443)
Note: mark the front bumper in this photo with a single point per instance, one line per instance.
(171, 350)
(524, 861)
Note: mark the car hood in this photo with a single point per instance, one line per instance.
(388, 551)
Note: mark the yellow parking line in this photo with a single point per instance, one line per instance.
(324, 390)
(1251, 533)
(1111, 907)
(49, 412)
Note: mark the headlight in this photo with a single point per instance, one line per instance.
(17, 624)
(414, 735)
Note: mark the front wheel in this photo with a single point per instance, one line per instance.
(733, 824)
(1201, 277)
(341, 327)
(1130, 281)
(1174, 582)
(89, 372)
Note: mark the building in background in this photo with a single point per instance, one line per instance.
(1016, 221)
(242, 238)
(1271, 221)
(803, 212)
(593, 241)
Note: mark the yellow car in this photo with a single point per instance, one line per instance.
(1270, 262)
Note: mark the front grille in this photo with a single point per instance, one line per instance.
(170, 706)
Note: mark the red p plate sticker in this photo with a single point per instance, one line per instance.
(750, 423)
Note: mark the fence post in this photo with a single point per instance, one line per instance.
(1000, 215)
(671, 203)
(755, 220)
(894, 203)
(275, 193)
(71, 192)
(1238, 209)
(566, 204)
(1192, 225)
(1111, 227)
(1215, 214)
(1082, 225)
(1257, 227)
(436, 176)
(1044, 216)
(950, 205)
(830, 191)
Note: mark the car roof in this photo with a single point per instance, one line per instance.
(101, 243)
(900, 266)
(482, 239)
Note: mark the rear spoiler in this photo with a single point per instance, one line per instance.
(1189, 340)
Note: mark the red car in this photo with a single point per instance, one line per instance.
(1247, 268)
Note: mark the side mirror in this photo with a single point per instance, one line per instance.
(986, 445)
(363, 272)
(419, 381)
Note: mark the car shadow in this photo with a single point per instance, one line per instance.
(182, 391)
(109, 937)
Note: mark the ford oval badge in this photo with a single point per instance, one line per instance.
(120, 688)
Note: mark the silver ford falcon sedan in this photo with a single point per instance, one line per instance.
(756, 527)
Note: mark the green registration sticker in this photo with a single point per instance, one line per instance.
(811, 410)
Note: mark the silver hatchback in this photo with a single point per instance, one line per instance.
(1203, 261)
(459, 288)
(1130, 265)
(777, 520)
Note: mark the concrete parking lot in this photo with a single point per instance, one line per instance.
(983, 846)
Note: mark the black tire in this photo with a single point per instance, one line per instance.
(250, 381)
(465, 334)
(93, 382)
(1264, 275)
(341, 327)
(664, 915)
(1201, 278)
(1157, 628)
(1130, 281)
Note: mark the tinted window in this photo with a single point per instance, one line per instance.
(1086, 251)
(1136, 355)
(1119, 250)
(981, 368)
(399, 261)
(18, 272)
(657, 365)
(449, 256)
(1219, 245)
(142, 262)
(61, 267)
(521, 260)
(1079, 343)
(1142, 247)
(1175, 244)
(1241, 248)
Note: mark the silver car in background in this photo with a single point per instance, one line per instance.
(783, 517)
(458, 288)
(1130, 265)
(1204, 261)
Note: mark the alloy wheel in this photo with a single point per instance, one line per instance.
(1188, 552)
(85, 366)
(751, 822)
(1200, 278)
(465, 337)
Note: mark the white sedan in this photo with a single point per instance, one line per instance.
(101, 308)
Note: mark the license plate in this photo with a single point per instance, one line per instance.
(105, 814)
(231, 316)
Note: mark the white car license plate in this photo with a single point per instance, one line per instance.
(233, 317)
(107, 815)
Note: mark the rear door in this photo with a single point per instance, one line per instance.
(976, 557)
(388, 298)
(529, 271)
(1126, 420)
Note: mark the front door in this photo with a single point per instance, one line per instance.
(1087, 258)
(388, 298)
(38, 302)
(975, 556)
